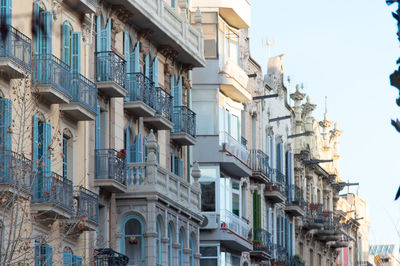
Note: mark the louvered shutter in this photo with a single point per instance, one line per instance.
(46, 19)
(290, 175)
(108, 35)
(179, 92)
(46, 161)
(49, 255)
(35, 142)
(65, 43)
(135, 59)
(76, 261)
(180, 167)
(5, 123)
(98, 128)
(271, 151)
(98, 33)
(67, 259)
(36, 35)
(127, 143)
(158, 154)
(173, 163)
(128, 63)
(147, 65)
(173, 89)
(37, 254)
(76, 52)
(139, 147)
(145, 148)
(287, 243)
(155, 71)
(270, 220)
(6, 11)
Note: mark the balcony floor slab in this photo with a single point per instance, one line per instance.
(158, 122)
(275, 196)
(294, 210)
(111, 89)
(139, 109)
(78, 112)
(52, 210)
(110, 185)
(227, 238)
(53, 94)
(12, 69)
(183, 138)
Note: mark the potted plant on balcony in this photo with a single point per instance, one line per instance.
(314, 207)
(298, 260)
(257, 244)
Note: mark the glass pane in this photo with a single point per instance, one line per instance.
(234, 52)
(133, 249)
(234, 127)
(208, 262)
(235, 204)
(235, 261)
(133, 227)
(208, 251)
(208, 173)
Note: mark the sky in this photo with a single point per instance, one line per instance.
(344, 50)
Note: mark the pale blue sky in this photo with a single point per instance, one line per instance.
(345, 50)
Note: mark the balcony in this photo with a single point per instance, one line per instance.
(162, 120)
(15, 176)
(313, 218)
(225, 150)
(52, 78)
(295, 204)
(86, 209)
(110, 170)
(233, 82)
(282, 255)
(184, 130)
(169, 29)
(259, 163)
(52, 196)
(84, 99)
(141, 99)
(110, 74)
(236, 13)
(109, 257)
(15, 53)
(262, 245)
(82, 6)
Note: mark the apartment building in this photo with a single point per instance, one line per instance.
(96, 132)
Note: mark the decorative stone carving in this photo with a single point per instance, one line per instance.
(121, 13)
(86, 32)
(196, 174)
(168, 52)
(56, 8)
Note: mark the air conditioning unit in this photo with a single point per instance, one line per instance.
(210, 221)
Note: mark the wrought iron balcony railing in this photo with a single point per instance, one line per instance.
(164, 103)
(50, 70)
(140, 88)
(233, 146)
(259, 161)
(295, 196)
(234, 223)
(184, 120)
(109, 257)
(110, 166)
(53, 188)
(262, 241)
(87, 204)
(282, 255)
(15, 170)
(110, 67)
(16, 46)
(84, 91)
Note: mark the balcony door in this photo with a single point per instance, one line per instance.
(133, 243)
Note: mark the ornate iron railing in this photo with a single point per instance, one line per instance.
(15, 170)
(53, 188)
(164, 103)
(87, 204)
(259, 161)
(234, 147)
(84, 91)
(110, 166)
(234, 223)
(262, 241)
(110, 67)
(17, 46)
(184, 120)
(140, 88)
(282, 255)
(109, 257)
(295, 196)
(50, 70)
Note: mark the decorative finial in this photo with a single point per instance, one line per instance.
(326, 104)
(196, 173)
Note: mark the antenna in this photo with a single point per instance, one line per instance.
(326, 104)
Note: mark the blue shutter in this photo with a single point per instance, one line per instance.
(67, 259)
(179, 93)
(76, 52)
(127, 50)
(5, 123)
(108, 34)
(127, 143)
(49, 255)
(46, 144)
(139, 148)
(173, 163)
(36, 36)
(98, 128)
(98, 34)
(158, 154)
(155, 71)
(135, 59)
(37, 254)
(145, 148)
(35, 142)
(76, 261)
(6, 11)
(180, 169)
(65, 42)
(290, 175)
(46, 19)
(147, 66)
(173, 89)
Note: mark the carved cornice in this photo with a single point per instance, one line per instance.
(187, 67)
(168, 52)
(121, 13)
(145, 34)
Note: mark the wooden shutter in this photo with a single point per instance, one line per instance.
(46, 146)
(139, 147)
(76, 261)
(76, 52)
(49, 255)
(179, 92)
(154, 77)
(127, 143)
(36, 35)
(67, 259)
(35, 142)
(108, 35)
(98, 128)
(65, 43)
(5, 123)
(173, 90)
(145, 148)
(98, 33)
(147, 66)
(46, 19)
(135, 59)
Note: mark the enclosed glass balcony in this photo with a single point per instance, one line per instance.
(15, 53)
(141, 98)
(110, 74)
(110, 170)
(184, 130)
(52, 78)
(234, 147)
(234, 223)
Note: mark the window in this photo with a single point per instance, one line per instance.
(191, 246)
(176, 165)
(170, 248)
(43, 255)
(235, 198)
(208, 188)
(65, 156)
(235, 127)
(181, 247)
(209, 255)
(5, 124)
(133, 240)
(158, 243)
(231, 46)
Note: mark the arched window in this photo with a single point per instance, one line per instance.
(191, 246)
(180, 253)
(170, 249)
(158, 244)
(133, 241)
